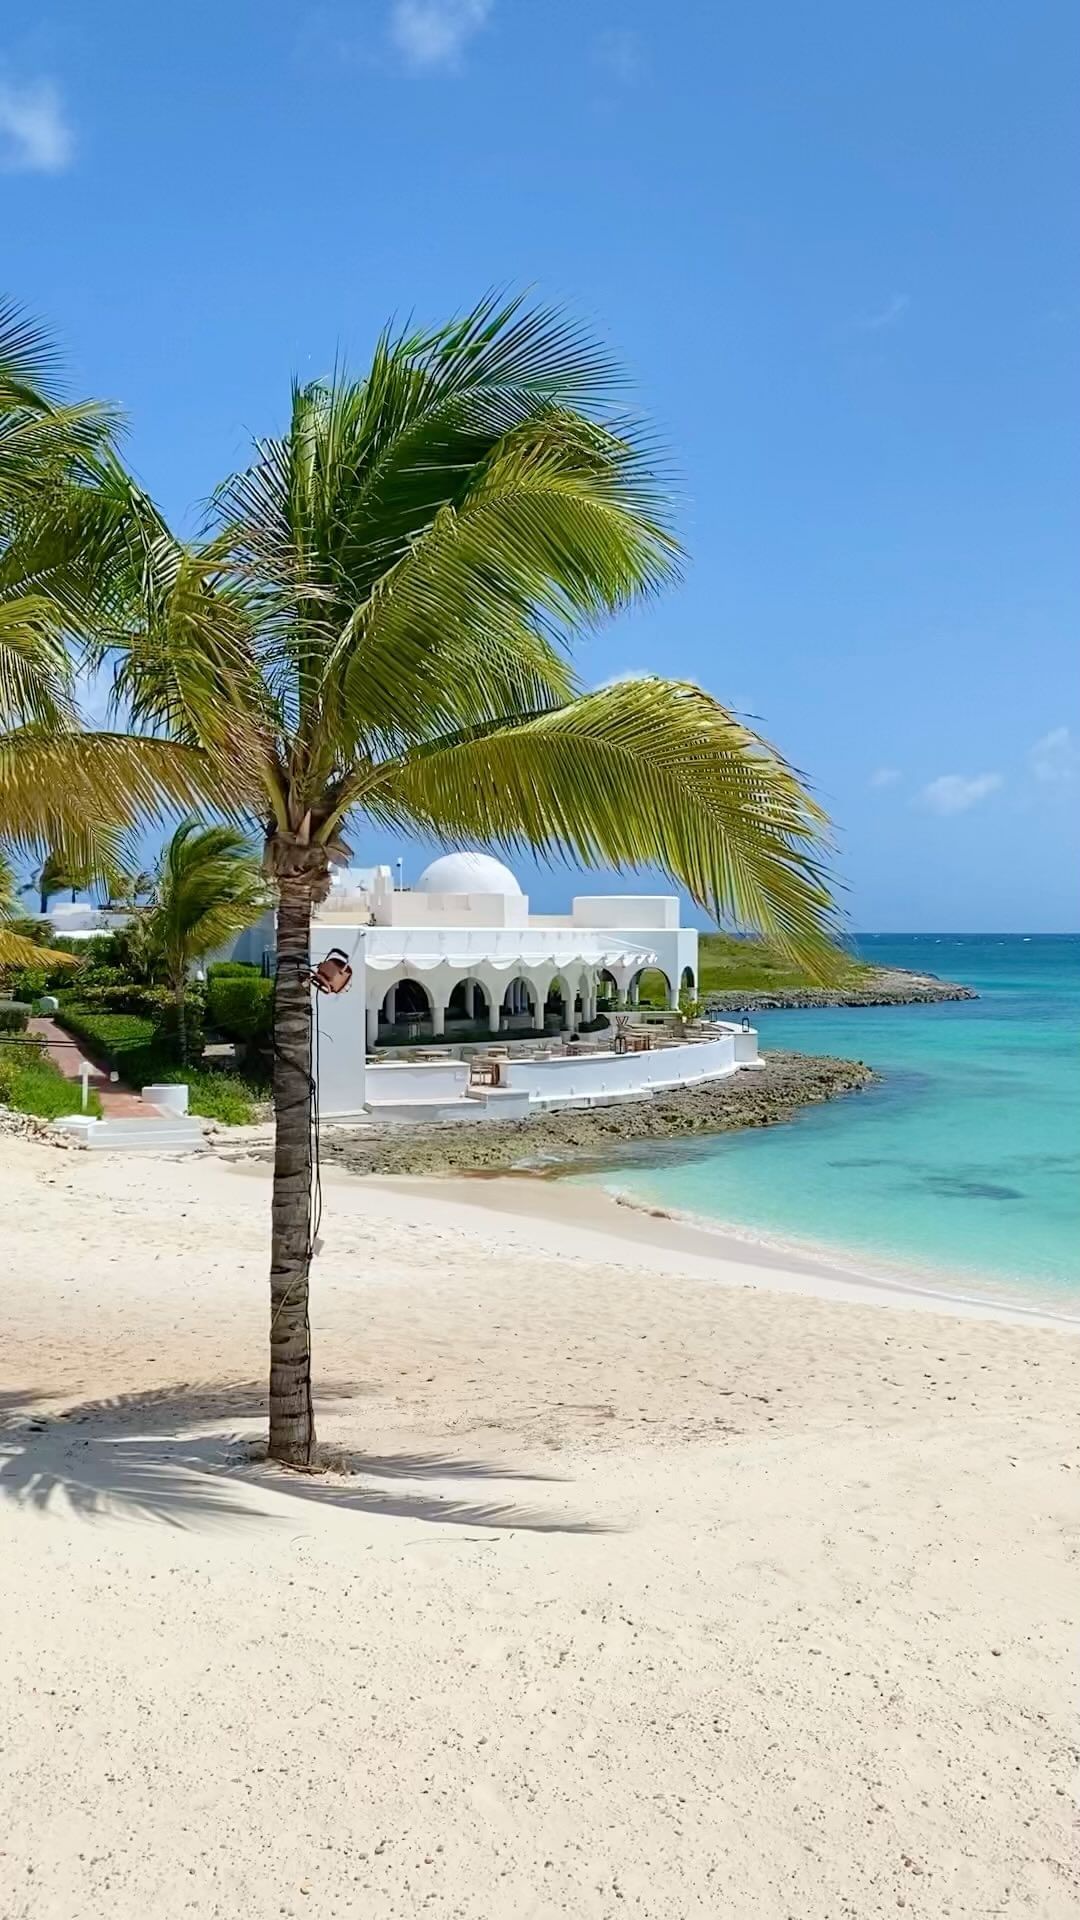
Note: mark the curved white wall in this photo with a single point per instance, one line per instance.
(559, 1078)
(597, 1075)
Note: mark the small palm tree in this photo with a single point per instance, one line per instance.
(61, 789)
(131, 890)
(58, 873)
(210, 887)
(377, 631)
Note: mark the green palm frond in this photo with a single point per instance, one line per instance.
(9, 889)
(428, 536)
(35, 673)
(647, 772)
(210, 887)
(39, 436)
(63, 789)
(380, 625)
(17, 952)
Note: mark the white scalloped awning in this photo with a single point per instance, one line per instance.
(517, 963)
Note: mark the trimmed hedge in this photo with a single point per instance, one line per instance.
(228, 969)
(14, 1015)
(240, 1006)
(127, 1041)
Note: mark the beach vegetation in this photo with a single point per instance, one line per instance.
(32, 1083)
(209, 888)
(730, 963)
(240, 1007)
(142, 1048)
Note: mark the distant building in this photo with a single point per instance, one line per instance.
(461, 950)
(459, 957)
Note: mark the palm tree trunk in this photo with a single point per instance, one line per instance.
(181, 1021)
(292, 1421)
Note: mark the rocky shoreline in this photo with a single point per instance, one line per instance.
(889, 987)
(763, 1098)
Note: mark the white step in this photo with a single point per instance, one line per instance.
(157, 1133)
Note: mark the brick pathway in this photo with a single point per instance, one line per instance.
(118, 1102)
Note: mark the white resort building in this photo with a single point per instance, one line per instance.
(463, 1005)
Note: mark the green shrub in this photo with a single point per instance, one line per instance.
(124, 996)
(226, 969)
(32, 1084)
(14, 1015)
(26, 983)
(22, 1046)
(227, 1097)
(240, 1006)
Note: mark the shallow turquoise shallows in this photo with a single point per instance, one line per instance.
(964, 1163)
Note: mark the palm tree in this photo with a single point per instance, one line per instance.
(131, 890)
(377, 631)
(57, 874)
(61, 789)
(210, 888)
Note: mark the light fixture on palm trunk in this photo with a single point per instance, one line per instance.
(333, 974)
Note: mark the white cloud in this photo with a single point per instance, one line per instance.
(956, 792)
(34, 133)
(432, 33)
(628, 673)
(884, 777)
(1055, 759)
(887, 316)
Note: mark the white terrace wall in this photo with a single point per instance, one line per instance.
(606, 1075)
(650, 911)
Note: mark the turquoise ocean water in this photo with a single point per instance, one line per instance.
(964, 1163)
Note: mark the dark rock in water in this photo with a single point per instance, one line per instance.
(890, 987)
(759, 1098)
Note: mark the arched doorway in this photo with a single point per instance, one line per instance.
(406, 1013)
(607, 991)
(517, 1014)
(688, 983)
(468, 1005)
(557, 1007)
(650, 987)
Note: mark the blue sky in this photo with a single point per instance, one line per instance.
(836, 245)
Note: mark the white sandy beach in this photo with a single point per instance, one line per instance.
(648, 1593)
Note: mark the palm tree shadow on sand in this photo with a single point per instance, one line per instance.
(145, 1456)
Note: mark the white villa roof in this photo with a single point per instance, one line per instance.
(467, 872)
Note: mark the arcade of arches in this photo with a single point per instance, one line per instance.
(445, 1006)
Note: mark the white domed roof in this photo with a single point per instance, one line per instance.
(467, 873)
